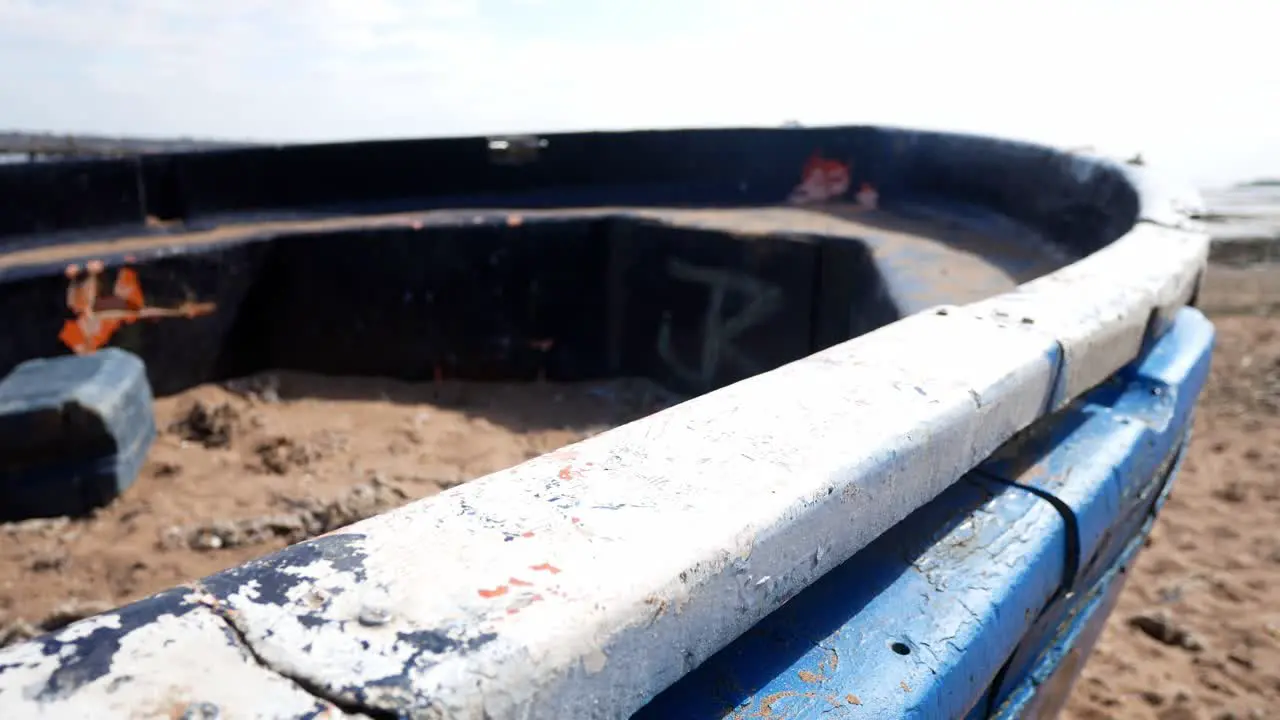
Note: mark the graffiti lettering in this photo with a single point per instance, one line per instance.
(718, 331)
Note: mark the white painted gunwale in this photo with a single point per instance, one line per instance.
(666, 538)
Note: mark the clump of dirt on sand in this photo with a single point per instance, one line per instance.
(211, 426)
(246, 468)
(1196, 632)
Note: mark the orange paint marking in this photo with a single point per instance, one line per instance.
(566, 473)
(88, 333)
(545, 567)
(128, 289)
(98, 317)
(496, 592)
(517, 582)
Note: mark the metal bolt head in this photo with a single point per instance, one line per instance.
(374, 614)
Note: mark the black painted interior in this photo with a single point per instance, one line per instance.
(614, 296)
(738, 167)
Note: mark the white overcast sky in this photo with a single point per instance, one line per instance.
(1192, 84)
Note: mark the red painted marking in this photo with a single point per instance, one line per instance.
(575, 520)
(822, 179)
(536, 598)
(545, 567)
(566, 473)
(527, 534)
(512, 611)
(831, 175)
(496, 592)
(517, 582)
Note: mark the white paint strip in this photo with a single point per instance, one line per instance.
(668, 536)
(1099, 308)
(583, 582)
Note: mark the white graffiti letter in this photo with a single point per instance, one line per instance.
(718, 332)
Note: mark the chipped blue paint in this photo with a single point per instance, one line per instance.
(923, 622)
(1111, 454)
(901, 630)
(1043, 691)
(87, 657)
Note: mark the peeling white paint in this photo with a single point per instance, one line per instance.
(1099, 307)
(171, 667)
(88, 626)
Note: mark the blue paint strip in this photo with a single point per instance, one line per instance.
(1105, 461)
(1044, 690)
(954, 608)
